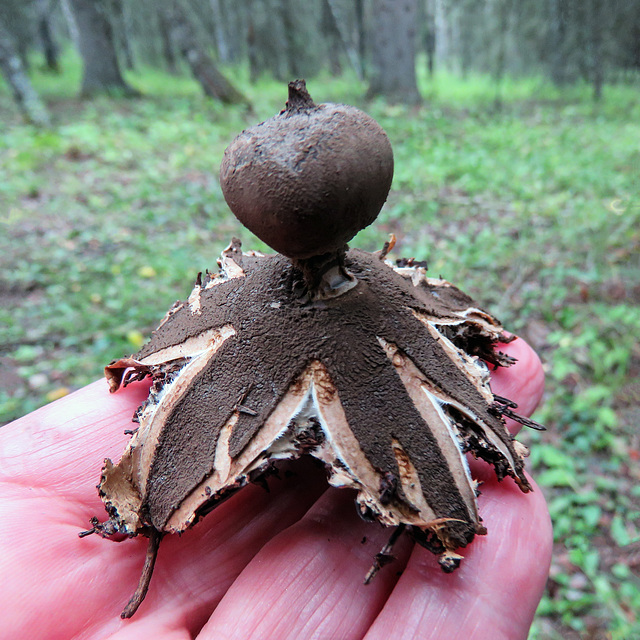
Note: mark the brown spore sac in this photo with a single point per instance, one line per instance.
(308, 179)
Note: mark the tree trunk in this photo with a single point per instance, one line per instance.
(252, 48)
(292, 44)
(101, 73)
(213, 83)
(443, 38)
(334, 21)
(49, 46)
(557, 41)
(234, 27)
(166, 44)
(428, 33)
(394, 51)
(332, 38)
(265, 33)
(121, 32)
(221, 36)
(634, 54)
(71, 23)
(596, 18)
(362, 38)
(466, 26)
(502, 8)
(11, 66)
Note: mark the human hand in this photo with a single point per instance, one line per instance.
(285, 564)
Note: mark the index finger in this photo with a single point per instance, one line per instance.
(63, 444)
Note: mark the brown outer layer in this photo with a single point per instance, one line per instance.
(276, 338)
(306, 182)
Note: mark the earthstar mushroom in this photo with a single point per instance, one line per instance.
(376, 370)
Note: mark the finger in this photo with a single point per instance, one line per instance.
(195, 570)
(88, 581)
(276, 570)
(62, 446)
(308, 581)
(274, 577)
(53, 495)
(495, 592)
(81, 427)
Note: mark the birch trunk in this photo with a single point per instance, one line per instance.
(13, 71)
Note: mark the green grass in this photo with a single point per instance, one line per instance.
(534, 208)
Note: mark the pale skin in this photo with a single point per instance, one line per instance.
(285, 564)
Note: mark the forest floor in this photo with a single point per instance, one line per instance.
(533, 208)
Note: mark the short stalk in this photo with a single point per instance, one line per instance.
(326, 276)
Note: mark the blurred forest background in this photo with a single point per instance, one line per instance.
(516, 131)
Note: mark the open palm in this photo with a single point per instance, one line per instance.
(288, 563)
